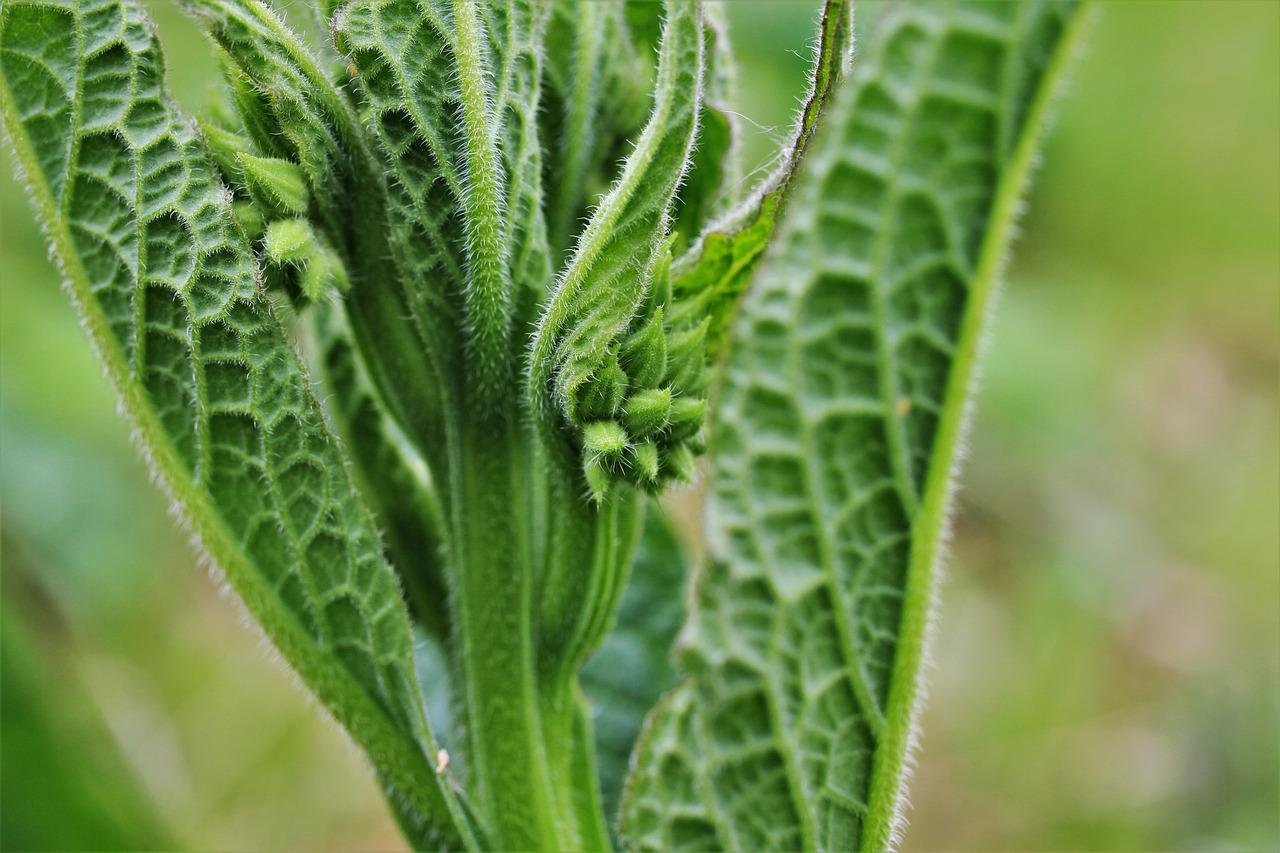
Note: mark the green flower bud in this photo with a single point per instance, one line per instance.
(323, 274)
(678, 463)
(697, 443)
(290, 241)
(603, 446)
(598, 478)
(605, 440)
(279, 180)
(687, 357)
(646, 412)
(644, 355)
(646, 465)
(687, 414)
(226, 147)
(599, 396)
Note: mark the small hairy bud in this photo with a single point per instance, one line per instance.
(598, 477)
(604, 443)
(644, 354)
(644, 457)
(599, 397)
(646, 412)
(324, 273)
(279, 181)
(679, 463)
(293, 243)
(604, 440)
(687, 414)
(290, 241)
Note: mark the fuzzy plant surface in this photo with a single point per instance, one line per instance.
(420, 316)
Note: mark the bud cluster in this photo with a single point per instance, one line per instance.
(640, 400)
(272, 198)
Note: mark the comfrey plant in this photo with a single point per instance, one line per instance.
(416, 322)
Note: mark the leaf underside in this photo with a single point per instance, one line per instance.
(169, 291)
(838, 416)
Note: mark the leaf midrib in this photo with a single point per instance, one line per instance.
(884, 796)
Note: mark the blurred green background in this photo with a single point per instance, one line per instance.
(1107, 660)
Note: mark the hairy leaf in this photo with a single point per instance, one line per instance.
(168, 289)
(709, 279)
(404, 73)
(598, 87)
(516, 33)
(715, 172)
(452, 92)
(391, 476)
(835, 440)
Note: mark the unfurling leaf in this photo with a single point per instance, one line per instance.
(598, 310)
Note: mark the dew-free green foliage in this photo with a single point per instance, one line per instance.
(506, 235)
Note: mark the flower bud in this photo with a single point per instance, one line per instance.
(687, 414)
(603, 445)
(599, 396)
(279, 180)
(323, 275)
(644, 355)
(678, 463)
(604, 440)
(646, 466)
(646, 412)
(290, 241)
(598, 478)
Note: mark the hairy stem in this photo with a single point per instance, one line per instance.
(492, 579)
(488, 289)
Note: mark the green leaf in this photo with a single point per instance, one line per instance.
(835, 441)
(716, 169)
(451, 92)
(598, 93)
(516, 32)
(391, 476)
(709, 279)
(167, 287)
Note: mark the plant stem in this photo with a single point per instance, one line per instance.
(492, 579)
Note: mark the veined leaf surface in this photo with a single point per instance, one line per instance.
(169, 292)
(839, 415)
